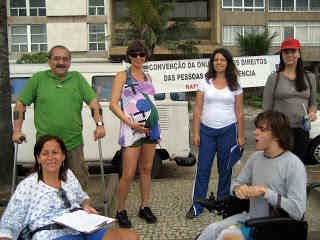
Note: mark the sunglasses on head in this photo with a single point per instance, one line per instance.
(63, 196)
(136, 54)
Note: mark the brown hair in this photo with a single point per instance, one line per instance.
(36, 152)
(135, 47)
(279, 125)
(231, 71)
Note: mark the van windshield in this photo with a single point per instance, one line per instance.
(178, 96)
(102, 86)
(17, 84)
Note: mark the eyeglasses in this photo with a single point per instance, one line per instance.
(219, 60)
(134, 55)
(57, 59)
(63, 196)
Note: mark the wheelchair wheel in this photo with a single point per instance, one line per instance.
(314, 151)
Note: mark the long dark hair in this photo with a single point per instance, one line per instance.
(231, 71)
(300, 82)
(36, 152)
(279, 125)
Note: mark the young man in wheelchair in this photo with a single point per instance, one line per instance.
(273, 179)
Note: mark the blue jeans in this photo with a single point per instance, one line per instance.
(98, 235)
(213, 141)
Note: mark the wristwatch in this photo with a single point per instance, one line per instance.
(99, 123)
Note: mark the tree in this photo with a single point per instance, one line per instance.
(6, 152)
(255, 44)
(149, 21)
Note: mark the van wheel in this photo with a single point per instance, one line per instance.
(314, 151)
(157, 165)
(185, 161)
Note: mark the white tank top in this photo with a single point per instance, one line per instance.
(218, 109)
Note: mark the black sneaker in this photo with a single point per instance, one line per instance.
(123, 219)
(191, 213)
(147, 214)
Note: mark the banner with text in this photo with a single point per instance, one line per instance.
(184, 75)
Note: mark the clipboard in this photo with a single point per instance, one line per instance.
(82, 221)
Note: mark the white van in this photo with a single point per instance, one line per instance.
(173, 114)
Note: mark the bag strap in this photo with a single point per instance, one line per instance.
(52, 226)
(274, 90)
(276, 85)
(310, 87)
(128, 77)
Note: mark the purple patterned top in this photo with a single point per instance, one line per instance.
(135, 106)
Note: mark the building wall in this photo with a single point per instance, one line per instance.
(67, 23)
(73, 35)
(310, 52)
(66, 8)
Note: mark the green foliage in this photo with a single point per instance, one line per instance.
(255, 44)
(40, 57)
(176, 37)
(255, 102)
(149, 21)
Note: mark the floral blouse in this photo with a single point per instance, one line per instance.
(35, 204)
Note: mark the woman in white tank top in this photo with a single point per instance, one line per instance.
(217, 125)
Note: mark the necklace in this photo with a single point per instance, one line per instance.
(269, 157)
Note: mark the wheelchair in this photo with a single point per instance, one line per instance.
(266, 228)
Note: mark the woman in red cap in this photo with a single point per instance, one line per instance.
(292, 90)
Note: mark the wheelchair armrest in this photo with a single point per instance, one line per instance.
(267, 228)
(226, 207)
(263, 221)
(311, 186)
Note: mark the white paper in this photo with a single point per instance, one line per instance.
(82, 221)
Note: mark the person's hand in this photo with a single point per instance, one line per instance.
(5, 238)
(257, 191)
(241, 141)
(242, 191)
(89, 209)
(18, 137)
(99, 133)
(312, 116)
(139, 127)
(196, 140)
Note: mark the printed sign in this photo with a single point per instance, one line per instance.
(184, 75)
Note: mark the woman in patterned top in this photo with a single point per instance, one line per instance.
(48, 193)
(139, 129)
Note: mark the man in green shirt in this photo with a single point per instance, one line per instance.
(58, 95)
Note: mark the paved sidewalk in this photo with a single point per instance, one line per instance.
(170, 199)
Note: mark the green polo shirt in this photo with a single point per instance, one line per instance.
(58, 104)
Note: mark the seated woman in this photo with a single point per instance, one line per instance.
(49, 192)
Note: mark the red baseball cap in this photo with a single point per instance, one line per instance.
(290, 43)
